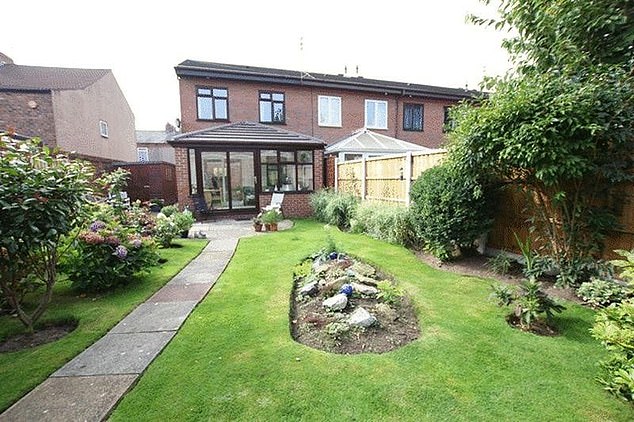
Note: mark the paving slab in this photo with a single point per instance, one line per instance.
(70, 399)
(156, 316)
(206, 277)
(116, 354)
(184, 292)
(223, 244)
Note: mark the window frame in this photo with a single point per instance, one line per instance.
(213, 98)
(367, 101)
(422, 117)
(272, 103)
(280, 163)
(103, 129)
(139, 150)
(329, 122)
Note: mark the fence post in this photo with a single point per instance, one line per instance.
(336, 174)
(408, 176)
(363, 177)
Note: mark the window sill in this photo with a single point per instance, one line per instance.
(273, 123)
(376, 128)
(413, 130)
(213, 120)
(335, 126)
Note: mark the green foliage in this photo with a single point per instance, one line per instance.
(449, 210)
(334, 208)
(337, 330)
(112, 185)
(388, 292)
(614, 327)
(184, 220)
(392, 224)
(42, 196)
(108, 255)
(530, 302)
(168, 210)
(625, 265)
(600, 293)
(500, 263)
(304, 269)
(272, 216)
(166, 230)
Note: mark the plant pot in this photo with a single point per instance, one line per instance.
(273, 227)
(257, 227)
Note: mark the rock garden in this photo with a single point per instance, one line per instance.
(343, 305)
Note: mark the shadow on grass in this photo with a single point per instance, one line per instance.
(573, 328)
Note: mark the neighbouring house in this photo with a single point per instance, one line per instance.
(82, 111)
(242, 122)
(233, 169)
(365, 143)
(152, 146)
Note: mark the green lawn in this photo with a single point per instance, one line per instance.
(96, 313)
(234, 358)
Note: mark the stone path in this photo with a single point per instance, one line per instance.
(88, 387)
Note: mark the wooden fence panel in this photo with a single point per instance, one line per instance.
(422, 162)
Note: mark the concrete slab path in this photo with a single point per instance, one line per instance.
(88, 387)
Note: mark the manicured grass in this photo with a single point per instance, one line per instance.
(96, 313)
(234, 358)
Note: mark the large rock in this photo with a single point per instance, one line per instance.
(336, 303)
(384, 311)
(364, 269)
(309, 289)
(364, 289)
(361, 318)
(366, 280)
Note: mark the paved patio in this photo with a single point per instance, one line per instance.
(88, 387)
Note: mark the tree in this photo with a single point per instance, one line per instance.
(561, 126)
(42, 195)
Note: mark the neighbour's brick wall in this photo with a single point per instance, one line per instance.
(17, 114)
(302, 108)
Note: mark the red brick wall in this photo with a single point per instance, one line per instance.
(301, 110)
(182, 178)
(329, 179)
(15, 113)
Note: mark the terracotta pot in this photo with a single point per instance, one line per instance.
(257, 227)
(267, 226)
(273, 227)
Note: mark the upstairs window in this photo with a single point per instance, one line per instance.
(272, 107)
(212, 103)
(329, 111)
(103, 128)
(413, 117)
(375, 114)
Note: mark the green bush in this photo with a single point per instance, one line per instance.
(168, 210)
(334, 208)
(184, 220)
(500, 263)
(449, 211)
(166, 230)
(614, 327)
(391, 224)
(106, 256)
(600, 293)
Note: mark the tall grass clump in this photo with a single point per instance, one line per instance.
(389, 223)
(334, 208)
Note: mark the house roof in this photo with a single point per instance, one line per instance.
(153, 136)
(364, 140)
(246, 134)
(37, 78)
(193, 68)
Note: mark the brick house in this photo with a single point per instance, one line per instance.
(77, 110)
(317, 106)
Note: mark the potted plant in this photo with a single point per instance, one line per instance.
(257, 222)
(184, 220)
(271, 218)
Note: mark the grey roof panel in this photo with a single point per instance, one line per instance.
(246, 133)
(37, 78)
(291, 77)
(364, 140)
(153, 136)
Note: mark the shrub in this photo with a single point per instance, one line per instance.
(166, 230)
(530, 302)
(614, 327)
(334, 208)
(106, 256)
(500, 263)
(388, 292)
(600, 293)
(184, 220)
(449, 211)
(625, 265)
(272, 216)
(392, 224)
(168, 210)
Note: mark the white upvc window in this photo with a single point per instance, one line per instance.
(103, 128)
(329, 111)
(143, 155)
(375, 114)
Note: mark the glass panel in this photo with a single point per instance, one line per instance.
(305, 156)
(242, 180)
(193, 184)
(305, 177)
(278, 97)
(370, 114)
(215, 187)
(204, 91)
(220, 108)
(204, 108)
(278, 112)
(323, 110)
(265, 95)
(287, 157)
(381, 118)
(288, 177)
(268, 164)
(265, 111)
(220, 93)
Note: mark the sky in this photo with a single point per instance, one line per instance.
(417, 41)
